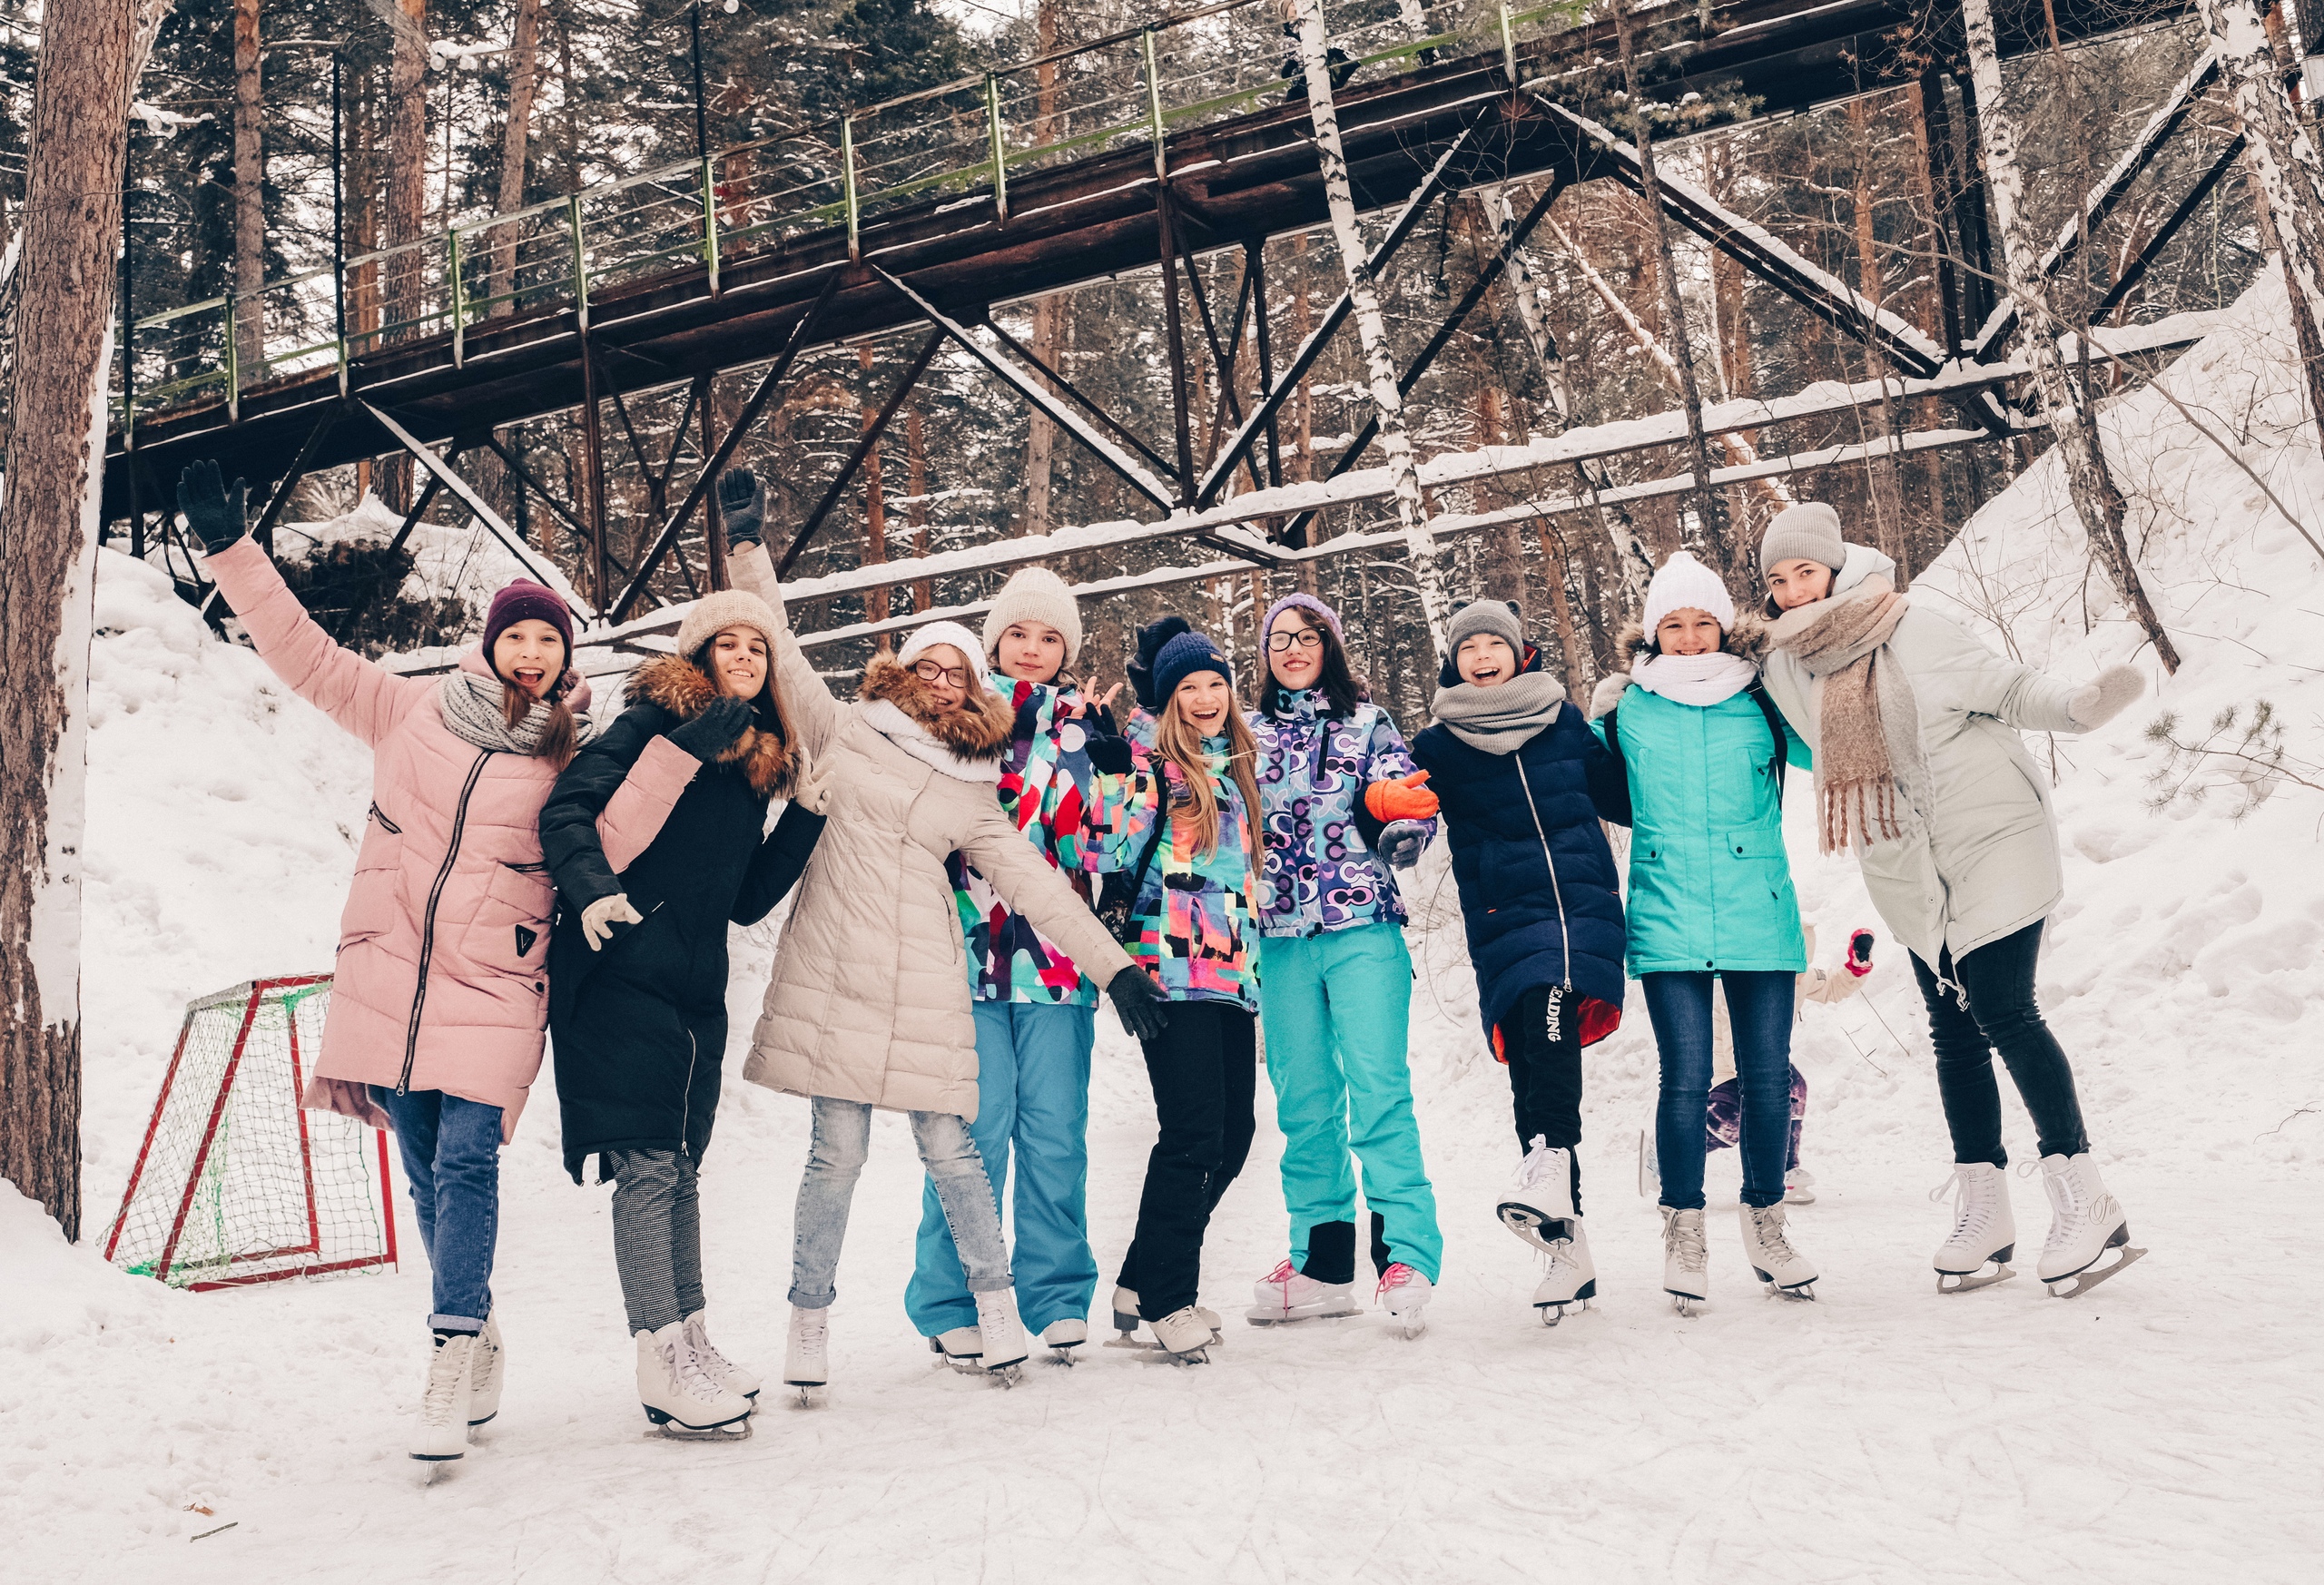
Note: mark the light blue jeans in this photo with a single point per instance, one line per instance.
(1032, 1104)
(842, 1142)
(451, 1163)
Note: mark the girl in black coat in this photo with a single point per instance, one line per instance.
(1520, 782)
(650, 869)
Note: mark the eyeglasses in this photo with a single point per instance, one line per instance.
(929, 670)
(1305, 639)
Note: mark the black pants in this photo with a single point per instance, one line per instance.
(1203, 1069)
(1542, 1038)
(2001, 1016)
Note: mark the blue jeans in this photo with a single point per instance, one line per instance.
(452, 1157)
(842, 1142)
(1032, 1102)
(1759, 1008)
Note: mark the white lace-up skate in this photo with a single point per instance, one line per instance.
(1183, 1337)
(1127, 1323)
(1061, 1337)
(1405, 1293)
(1778, 1264)
(680, 1396)
(743, 1384)
(485, 1374)
(1571, 1278)
(1287, 1294)
(960, 1347)
(1002, 1348)
(1685, 1259)
(1799, 1186)
(805, 1352)
(1538, 1206)
(2085, 1221)
(1985, 1233)
(443, 1434)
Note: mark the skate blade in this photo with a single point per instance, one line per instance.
(1064, 1356)
(1409, 1330)
(1006, 1375)
(733, 1430)
(1971, 1280)
(1536, 1229)
(1258, 1317)
(1804, 1291)
(1552, 1313)
(1688, 1305)
(2090, 1276)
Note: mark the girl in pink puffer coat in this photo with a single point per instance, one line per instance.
(440, 991)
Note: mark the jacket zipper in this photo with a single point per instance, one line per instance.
(685, 1097)
(428, 924)
(1565, 936)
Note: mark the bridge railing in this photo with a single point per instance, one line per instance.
(964, 140)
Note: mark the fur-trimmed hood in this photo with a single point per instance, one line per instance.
(679, 686)
(975, 734)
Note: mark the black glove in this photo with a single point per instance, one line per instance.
(1109, 755)
(741, 506)
(1150, 640)
(1140, 1002)
(215, 515)
(1098, 722)
(715, 731)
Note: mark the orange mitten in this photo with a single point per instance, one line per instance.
(1401, 798)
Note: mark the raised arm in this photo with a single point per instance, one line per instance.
(776, 867)
(581, 860)
(363, 698)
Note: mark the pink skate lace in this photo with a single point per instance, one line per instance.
(1395, 1276)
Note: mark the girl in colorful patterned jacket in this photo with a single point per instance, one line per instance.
(1179, 836)
(1341, 806)
(1036, 1011)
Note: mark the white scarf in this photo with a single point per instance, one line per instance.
(921, 745)
(1700, 679)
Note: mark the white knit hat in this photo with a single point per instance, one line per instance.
(1684, 584)
(1034, 594)
(923, 639)
(714, 614)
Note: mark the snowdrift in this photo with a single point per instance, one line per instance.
(2167, 1420)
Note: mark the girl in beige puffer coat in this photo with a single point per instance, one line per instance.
(869, 1004)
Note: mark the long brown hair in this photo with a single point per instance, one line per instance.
(558, 738)
(1178, 742)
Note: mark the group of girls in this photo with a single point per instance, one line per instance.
(990, 848)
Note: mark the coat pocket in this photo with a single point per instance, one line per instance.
(513, 926)
(374, 902)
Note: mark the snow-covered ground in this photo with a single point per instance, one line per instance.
(2164, 1427)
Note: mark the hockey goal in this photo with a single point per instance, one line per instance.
(235, 1183)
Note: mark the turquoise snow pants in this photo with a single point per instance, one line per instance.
(1032, 1102)
(1333, 1008)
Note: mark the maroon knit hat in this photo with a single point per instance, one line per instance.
(524, 600)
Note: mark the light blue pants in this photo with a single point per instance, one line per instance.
(1334, 1008)
(1032, 1104)
(842, 1144)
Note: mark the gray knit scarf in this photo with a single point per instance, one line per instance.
(473, 712)
(1502, 720)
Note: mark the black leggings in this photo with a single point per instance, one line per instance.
(1542, 1041)
(1997, 982)
(1203, 1068)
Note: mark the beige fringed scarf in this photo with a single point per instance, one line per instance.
(1872, 782)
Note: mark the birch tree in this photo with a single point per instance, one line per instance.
(1371, 328)
(2088, 484)
(48, 522)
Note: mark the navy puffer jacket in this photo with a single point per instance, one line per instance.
(1529, 925)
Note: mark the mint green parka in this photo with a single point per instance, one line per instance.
(1709, 886)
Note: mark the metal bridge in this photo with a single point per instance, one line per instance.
(1152, 148)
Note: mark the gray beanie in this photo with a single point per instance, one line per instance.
(1803, 531)
(1500, 618)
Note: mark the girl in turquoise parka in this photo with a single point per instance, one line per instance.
(1710, 899)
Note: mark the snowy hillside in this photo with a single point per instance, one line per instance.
(2165, 1426)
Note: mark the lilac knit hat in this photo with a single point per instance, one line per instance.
(1306, 603)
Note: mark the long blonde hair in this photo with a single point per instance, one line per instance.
(1178, 741)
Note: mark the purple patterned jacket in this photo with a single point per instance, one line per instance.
(1321, 873)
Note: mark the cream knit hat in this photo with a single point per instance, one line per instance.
(1684, 584)
(923, 639)
(714, 614)
(1034, 594)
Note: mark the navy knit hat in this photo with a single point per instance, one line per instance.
(1181, 658)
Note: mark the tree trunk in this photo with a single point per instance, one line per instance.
(2095, 499)
(48, 519)
(2282, 154)
(250, 195)
(407, 204)
(524, 74)
(1371, 328)
(1040, 435)
(1579, 682)
(1710, 508)
(875, 512)
(1884, 478)
(923, 591)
